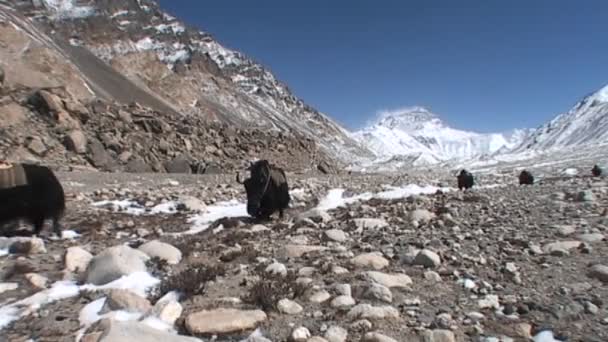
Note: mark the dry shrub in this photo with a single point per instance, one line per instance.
(192, 281)
(270, 288)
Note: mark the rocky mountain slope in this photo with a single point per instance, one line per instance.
(423, 138)
(129, 54)
(585, 124)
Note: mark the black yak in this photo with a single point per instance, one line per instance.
(526, 178)
(465, 180)
(267, 190)
(596, 171)
(32, 193)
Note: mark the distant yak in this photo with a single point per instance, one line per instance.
(465, 180)
(32, 193)
(267, 190)
(596, 171)
(526, 178)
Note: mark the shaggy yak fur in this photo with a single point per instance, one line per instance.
(465, 180)
(32, 193)
(526, 178)
(267, 190)
(596, 171)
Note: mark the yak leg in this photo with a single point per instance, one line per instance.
(56, 226)
(38, 225)
(281, 213)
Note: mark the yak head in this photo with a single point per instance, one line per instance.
(256, 185)
(463, 173)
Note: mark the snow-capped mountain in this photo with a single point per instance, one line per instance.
(418, 132)
(180, 68)
(585, 124)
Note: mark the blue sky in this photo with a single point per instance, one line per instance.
(481, 65)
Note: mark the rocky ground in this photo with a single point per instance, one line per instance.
(498, 263)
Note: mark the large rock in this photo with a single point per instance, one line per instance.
(114, 263)
(389, 280)
(115, 331)
(99, 157)
(561, 247)
(167, 311)
(289, 307)
(366, 311)
(374, 260)
(138, 165)
(178, 165)
(77, 259)
(76, 141)
(427, 258)
(599, 272)
(37, 146)
(162, 250)
(223, 321)
(438, 335)
(46, 103)
(119, 299)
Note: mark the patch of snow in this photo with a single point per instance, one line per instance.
(215, 212)
(68, 9)
(545, 336)
(119, 13)
(90, 313)
(75, 42)
(124, 22)
(3, 252)
(158, 324)
(147, 43)
(176, 28)
(133, 208)
(570, 172)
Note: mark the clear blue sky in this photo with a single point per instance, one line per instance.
(481, 65)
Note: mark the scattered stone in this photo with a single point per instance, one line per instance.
(300, 334)
(585, 196)
(4, 287)
(377, 337)
(374, 260)
(427, 258)
(599, 272)
(319, 296)
(162, 250)
(561, 248)
(379, 292)
(336, 334)
(565, 230)
(192, 203)
(288, 306)
(591, 237)
(369, 223)
(114, 263)
(489, 302)
(116, 331)
(37, 281)
(167, 311)
(344, 289)
(119, 299)
(439, 335)
(297, 251)
(277, 268)
(336, 235)
(77, 259)
(421, 216)
(76, 141)
(221, 321)
(342, 302)
(432, 276)
(389, 280)
(366, 311)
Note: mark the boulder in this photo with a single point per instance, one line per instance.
(115, 331)
(223, 321)
(114, 263)
(77, 259)
(178, 165)
(162, 250)
(76, 141)
(126, 300)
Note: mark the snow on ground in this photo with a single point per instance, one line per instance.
(133, 208)
(215, 212)
(68, 9)
(138, 282)
(545, 336)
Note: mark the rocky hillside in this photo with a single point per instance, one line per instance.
(585, 124)
(130, 50)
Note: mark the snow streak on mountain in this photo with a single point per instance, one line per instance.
(419, 134)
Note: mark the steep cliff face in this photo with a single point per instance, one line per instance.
(61, 104)
(181, 68)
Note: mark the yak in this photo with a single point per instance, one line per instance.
(596, 171)
(465, 180)
(526, 178)
(267, 190)
(32, 193)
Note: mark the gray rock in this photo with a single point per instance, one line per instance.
(336, 235)
(561, 247)
(342, 302)
(136, 165)
(591, 237)
(223, 321)
(76, 141)
(369, 223)
(565, 230)
(366, 311)
(585, 196)
(439, 335)
(37, 147)
(115, 331)
(374, 260)
(4, 287)
(344, 289)
(379, 292)
(421, 216)
(37, 281)
(489, 302)
(300, 334)
(377, 337)
(277, 268)
(389, 280)
(178, 165)
(427, 258)
(336, 334)
(289, 307)
(599, 272)
(114, 263)
(119, 299)
(77, 259)
(168, 310)
(319, 296)
(315, 215)
(162, 250)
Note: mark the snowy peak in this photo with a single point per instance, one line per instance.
(418, 132)
(586, 123)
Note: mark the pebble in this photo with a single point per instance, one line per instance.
(288, 306)
(374, 260)
(300, 334)
(389, 280)
(439, 335)
(489, 302)
(277, 268)
(77, 259)
(427, 258)
(336, 334)
(221, 321)
(37, 281)
(319, 296)
(599, 272)
(379, 292)
(377, 337)
(344, 289)
(336, 235)
(342, 302)
(367, 311)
